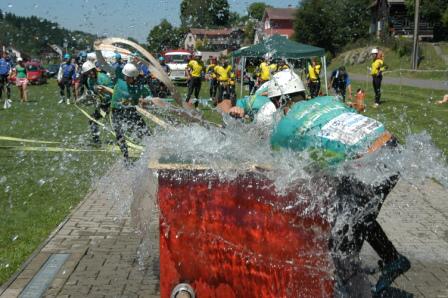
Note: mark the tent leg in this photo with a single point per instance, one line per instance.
(324, 62)
(243, 66)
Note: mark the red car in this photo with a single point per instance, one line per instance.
(35, 73)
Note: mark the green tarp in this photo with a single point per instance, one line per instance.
(280, 47)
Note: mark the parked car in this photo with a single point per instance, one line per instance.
(177, 61)
(52, 70)
(35, 73)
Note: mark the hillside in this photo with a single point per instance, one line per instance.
(397, 65)
(32, 34)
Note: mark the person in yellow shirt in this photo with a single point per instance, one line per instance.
(377, 76)
(194, 74)
(223, 72)
(266, 69)
(313, 78)
(211, 75)
(281, 65)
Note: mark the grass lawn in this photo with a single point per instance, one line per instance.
(38, 189)
(410, 110)
(431, 61)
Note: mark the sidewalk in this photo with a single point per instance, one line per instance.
(419, 83)
(103, 261)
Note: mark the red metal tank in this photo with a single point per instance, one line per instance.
(239, 238)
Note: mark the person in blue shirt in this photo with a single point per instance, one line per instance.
(118, 66)
(5, 72)
(66, 77)
(340, 82)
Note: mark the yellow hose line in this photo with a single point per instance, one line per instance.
(4, 138)
(154, 118)
(130, 144)
(114, 148)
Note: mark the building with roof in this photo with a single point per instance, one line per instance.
(214, 39)
(276, 21)
(390, 17)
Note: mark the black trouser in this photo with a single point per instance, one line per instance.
(4, 83)
(314, 88)
(223, 91)
(251, 86)
(194, 85)
(340, 89)
(376, 80)
(128, 121)
(83, 83)
(97, 116)
(213, 87)
(65, 86)
(357, 208)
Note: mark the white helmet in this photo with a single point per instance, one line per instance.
(198, 54)
(285, 82)
(19, 59)
(130, 70)
(87, 66)
(267, 56)
(374, 51)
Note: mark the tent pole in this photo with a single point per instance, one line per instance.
(243, 67)
(324, 61)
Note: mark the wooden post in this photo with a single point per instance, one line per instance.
(414, 62)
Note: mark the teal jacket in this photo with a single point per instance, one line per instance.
(327, 128)
(127, 95)
(252, 104)
(101, 79)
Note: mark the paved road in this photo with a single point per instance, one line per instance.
(104, 248)
(419, 83)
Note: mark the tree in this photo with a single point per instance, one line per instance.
(204, 13)
(256, 10)
(319, 22)
(164, 36)
(445, 18)
(434, 10)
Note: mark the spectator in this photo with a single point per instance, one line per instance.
(21, 79)
(282, 65)
(5, 72)
(377, 76)
(340, 82)
(265, 69)
(194, 71)
(223, 72)
(66, 76)
(313, 78)
(211, 76)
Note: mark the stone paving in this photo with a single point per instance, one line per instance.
(104, 248)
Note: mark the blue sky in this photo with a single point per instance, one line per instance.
(122, 18)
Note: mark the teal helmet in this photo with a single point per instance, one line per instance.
(117, 56)
(67, 56)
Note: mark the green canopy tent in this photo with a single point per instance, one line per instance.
(281, 47)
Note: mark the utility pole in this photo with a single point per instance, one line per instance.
(414, 62)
